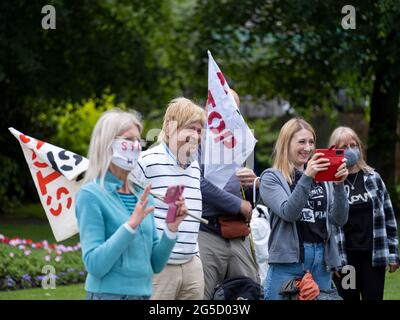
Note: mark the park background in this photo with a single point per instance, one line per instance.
(284, 58)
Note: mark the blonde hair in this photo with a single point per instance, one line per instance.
(182, 112)
(340, 133)
(282, 145)
(112, 123)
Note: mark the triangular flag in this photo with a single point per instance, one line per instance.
(57, 176)
(229, 141)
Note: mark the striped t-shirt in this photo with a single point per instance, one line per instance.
(129, 200)
(159, 167)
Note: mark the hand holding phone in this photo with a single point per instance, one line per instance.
(171, 196)
(335, 157)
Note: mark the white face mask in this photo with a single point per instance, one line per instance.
(125, 153)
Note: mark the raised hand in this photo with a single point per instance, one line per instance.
(140, 211)
(342, 172)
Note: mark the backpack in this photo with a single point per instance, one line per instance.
(239, 288)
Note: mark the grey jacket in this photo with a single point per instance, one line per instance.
(285, 209)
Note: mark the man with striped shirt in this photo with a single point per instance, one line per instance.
(172, 162)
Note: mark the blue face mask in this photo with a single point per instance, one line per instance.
(352, 155)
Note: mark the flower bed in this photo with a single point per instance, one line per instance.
(22, 261)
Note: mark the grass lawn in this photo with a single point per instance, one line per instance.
(70, 292)
(26, 224)
(392, 286)
(30, 222)
(36, 231)
(28, 211)
(77, 291)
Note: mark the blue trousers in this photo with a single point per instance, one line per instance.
(279, 273)
(111, 296)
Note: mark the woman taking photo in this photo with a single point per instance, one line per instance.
(368, 241)
(120, 246)
(302, 212)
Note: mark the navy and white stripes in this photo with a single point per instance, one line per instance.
(160, 168)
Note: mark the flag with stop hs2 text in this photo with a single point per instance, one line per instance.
(228, 139)
(57, 174)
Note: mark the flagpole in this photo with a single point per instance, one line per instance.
(161, 198)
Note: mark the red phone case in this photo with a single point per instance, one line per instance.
(335, 157)
(171, 196)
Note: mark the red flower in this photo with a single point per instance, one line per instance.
(39, 245)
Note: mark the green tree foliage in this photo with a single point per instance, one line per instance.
(120, 46)
(143, 53)
(298, 50)
(266, 132)
(75, 122)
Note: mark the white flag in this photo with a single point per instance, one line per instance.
(229, 141)
(56, 173)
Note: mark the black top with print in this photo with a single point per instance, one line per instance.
(312, 224)
(358, 229)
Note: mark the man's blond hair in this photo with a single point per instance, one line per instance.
(180, 113)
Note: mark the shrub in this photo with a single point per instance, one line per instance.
(22, 261)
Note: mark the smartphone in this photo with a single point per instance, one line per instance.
(335, 157)
(171, 196)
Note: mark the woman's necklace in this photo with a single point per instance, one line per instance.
(354, 182)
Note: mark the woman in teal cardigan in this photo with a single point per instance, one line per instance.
(120, 246)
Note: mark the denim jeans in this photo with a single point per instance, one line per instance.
(111, 296)
(279, 273)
